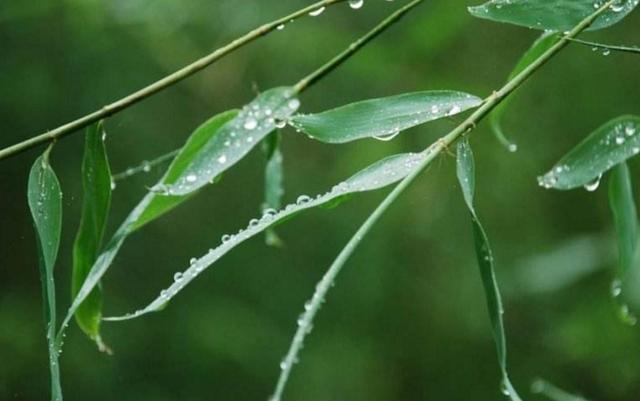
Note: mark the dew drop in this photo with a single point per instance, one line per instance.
(293, 104)
(616, 288)
(226, 238)
(606, 51)
(280, 123)
(356, 4)
(317, 12)
(303, 200)
(191, 178)
(222, 159)
(593, 185)
(387, 137)
(280, 27)
(250, 123)
(177, 277)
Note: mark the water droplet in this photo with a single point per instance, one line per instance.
(146, 166)
(222, 159)
(454, 110)
(317, 11)
(113, 185)
(619, 140)
(593, 185)
(280, 123)
(512, 147)
(606, 51)
(280, 27)
(435, 108)
(226, 238)
(303, 200)
(293, 104)
(616, 288)
(283, 365)
(387, 136)
(356, 4)
(250, 123)
(191, 178)
(177, 277)
(629, 130)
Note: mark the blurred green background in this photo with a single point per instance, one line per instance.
(407, 318)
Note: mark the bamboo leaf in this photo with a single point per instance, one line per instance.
(625, 218)
(96, 183)
(152, 206)
(377, 175)
(466, 177)
(609, 145)
(273, 182)
(553, 15)
(541, 45)
(234, 140)
(383, 118)
(45, 204)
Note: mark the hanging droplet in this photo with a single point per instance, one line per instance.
(616, 288)
(387, 137)
(226, 238)
(303, 200)
(593, 185)
(356, 4)
(606, 51)
(317, 12)
(280, 123)
(280, 27)
(294, 104)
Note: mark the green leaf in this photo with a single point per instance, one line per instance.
(466, 177)
(96, 183)
(45, 204)
(625, 218)
(273, 182)
(159, 204)
(152, 206)
(611, 144)
(383, 118)
(378, 175)
(552, 15)
(541, 45)
(234, 140)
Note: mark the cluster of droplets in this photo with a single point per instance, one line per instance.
(236, 138)
(432, 113)
(625, 314)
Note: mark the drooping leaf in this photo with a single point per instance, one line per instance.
(466, 177)
(96, 183)
(273, 182)
(541, 45)
(152, 206)
(611, 144)
(552, 15)
(377, 175)
(383, 118)
(45, 204)
(235, 139)
(625, 218)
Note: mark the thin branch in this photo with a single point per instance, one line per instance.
(157, 86)
(312, 307)
(605, 47)
(145, 166)
(354, 47)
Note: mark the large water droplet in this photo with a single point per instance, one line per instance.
(317, 11)
(356, 4)
(593, 185)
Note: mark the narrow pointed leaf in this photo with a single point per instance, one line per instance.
(383, 118)
(96, 183)
(466, 177)
(541, 45)
(273, 182)
(552, 15)
(152, 206)
(611, 144)
(235, 139)
(45, 204)
(377, 175)
(625, 218)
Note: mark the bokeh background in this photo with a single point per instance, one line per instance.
(407, 318)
